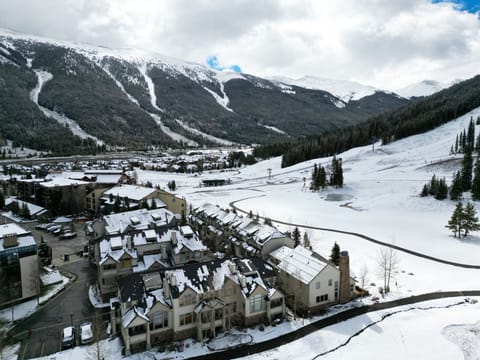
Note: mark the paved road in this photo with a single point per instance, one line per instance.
(47, 323)
(246, 350)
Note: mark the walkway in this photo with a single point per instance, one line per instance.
(246, 350)
(362, 236)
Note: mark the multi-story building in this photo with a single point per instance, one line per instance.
(19, 275)
(134, 196)
(236, 235)
(310, 281)
(142, 240)
(197, 300)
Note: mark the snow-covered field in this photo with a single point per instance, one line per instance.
(380, 199)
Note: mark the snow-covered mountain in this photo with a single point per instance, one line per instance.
(423, 88)
(133, 98)
(342, 89)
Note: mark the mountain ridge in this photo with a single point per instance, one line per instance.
(127, 98)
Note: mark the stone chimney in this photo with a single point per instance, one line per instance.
(344, 265)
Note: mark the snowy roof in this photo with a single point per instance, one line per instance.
(32, 208)
(61, 182)
(7, 229)
(299, 263)
(142, 220)
(132, 314)
(114, 248)
(23, 241)
(133, 192)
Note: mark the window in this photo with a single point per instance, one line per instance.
(109, 267)
(159, 320)
(276, 303)
(140, 329)
(187, 299)
(330, 282)
(322, 298)
(257, 303)
(186, 319)
(317, 285)
(218, 314)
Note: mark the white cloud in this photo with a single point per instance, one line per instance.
(386, 43)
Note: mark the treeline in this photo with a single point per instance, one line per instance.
(419, 116)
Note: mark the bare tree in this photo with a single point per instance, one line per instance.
(387, 264)
(363, 275)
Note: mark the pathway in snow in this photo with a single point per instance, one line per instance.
(43, 77)
(153, 100)
(362, 236)
(274, 343)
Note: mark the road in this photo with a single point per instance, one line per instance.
(45, 326)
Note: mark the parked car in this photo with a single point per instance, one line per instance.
(86, 333)
(68, 235)
(53, 228)
(68, 339)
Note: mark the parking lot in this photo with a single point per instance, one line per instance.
(41, 333)
(61, 247)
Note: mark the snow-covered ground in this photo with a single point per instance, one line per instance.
(380, 199)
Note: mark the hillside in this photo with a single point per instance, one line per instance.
(112, 98)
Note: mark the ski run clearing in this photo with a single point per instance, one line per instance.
(380, 199)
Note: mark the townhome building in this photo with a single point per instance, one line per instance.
(310, 281)
(139, 241)
(198, 300)
(236, 235)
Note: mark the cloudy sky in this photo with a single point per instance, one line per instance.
(385, 43)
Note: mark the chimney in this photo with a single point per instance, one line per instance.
(233, 268)
(163, 248)
(129, 242)
(243, 283)
(10, 240)
(166, 288)
(174, 237)
(344, 265)
(173, 280)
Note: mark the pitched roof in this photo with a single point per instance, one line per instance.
(300, 263)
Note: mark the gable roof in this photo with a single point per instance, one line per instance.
(300, 263)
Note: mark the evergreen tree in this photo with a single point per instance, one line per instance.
(306, 240)
(456, 188)
(432, 188)
(296, 236)
(2, 200)
(442, 189)
(424, 192)
(335, 254)
(116, 205)
(313, 184)
(470, 220)
(476, 182)
(455, 222)
(471, 134)
(467, 166)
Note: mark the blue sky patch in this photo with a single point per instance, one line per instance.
(472, 6)
(213, 63)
